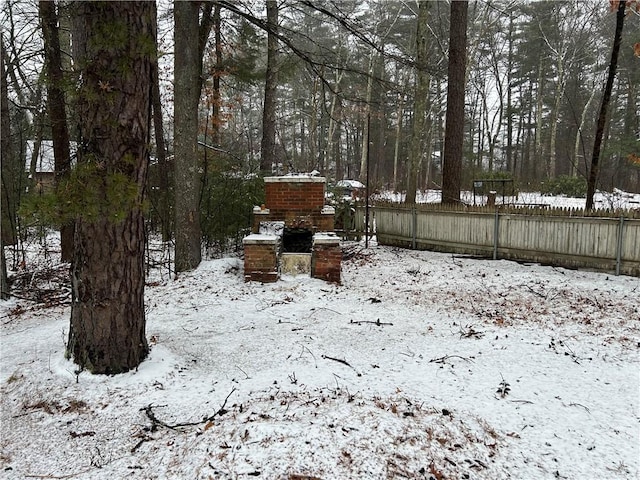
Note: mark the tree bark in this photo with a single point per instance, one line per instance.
(107, 330)
(57, 111)
(7, 228)
(188, 181)
(420, 103)
(268, 145)
(454, 128)
(161, 155)
(604, 106)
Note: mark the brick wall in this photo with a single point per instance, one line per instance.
(294, 196)
(325, 262)
(260, 263)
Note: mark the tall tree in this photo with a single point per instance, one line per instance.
(604, 106)
(454, 127)
(188, 81)
(268, 145)
(187, 73)
(6, 149)
(115, 42)
(420, 103)
(57, 111)
(161, 155)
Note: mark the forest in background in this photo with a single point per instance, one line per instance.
(346, 78)
(535, 75)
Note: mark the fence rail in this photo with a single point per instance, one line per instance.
(568, 240)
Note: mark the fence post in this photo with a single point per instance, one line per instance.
(414, 226)
(619, 245)
(495, 235)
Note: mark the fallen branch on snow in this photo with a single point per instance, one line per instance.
(156, 422)
(447, 357)
(376, 322)
(339, 360)
(342, 361)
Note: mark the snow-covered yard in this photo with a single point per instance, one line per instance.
(420, 365)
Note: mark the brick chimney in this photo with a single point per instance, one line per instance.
(293, 227)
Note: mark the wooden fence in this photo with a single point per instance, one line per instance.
(568, 238)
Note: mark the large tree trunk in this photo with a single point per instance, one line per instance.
(454, 129)
(268, 145)
(188, 181)
(107, 331)
(57, 111)
(602, 116)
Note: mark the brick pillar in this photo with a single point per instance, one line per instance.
(260, 258)
(326, 257)
(259, 215)
(326, 219)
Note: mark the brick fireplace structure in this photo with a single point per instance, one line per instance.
(293, 232)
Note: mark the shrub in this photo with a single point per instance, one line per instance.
(226, 209)
(565, 185)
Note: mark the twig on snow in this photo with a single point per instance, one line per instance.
(342, 361)
(304, 347)
(447, 357)
(469, 332)
(339, 360)
(157, 422)
(376, 322)
(572, 404)
(71, 475)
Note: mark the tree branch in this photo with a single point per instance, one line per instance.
(155, 421)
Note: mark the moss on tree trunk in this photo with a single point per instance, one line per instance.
(116, 41)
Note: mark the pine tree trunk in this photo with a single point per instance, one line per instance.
(107, 330)
(602, 116)
(454, 129)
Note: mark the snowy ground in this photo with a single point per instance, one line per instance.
(420, 365)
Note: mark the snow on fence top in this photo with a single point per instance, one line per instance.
(632, 213)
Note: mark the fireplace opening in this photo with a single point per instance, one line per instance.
(297, 240)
